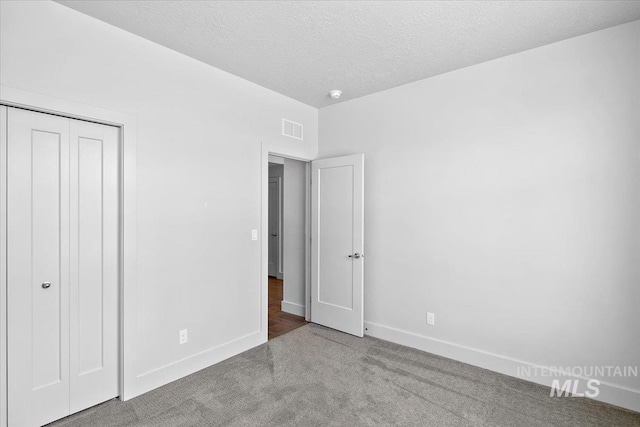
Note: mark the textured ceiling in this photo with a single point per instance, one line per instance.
(303, 49)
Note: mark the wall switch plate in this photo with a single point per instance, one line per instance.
(254, 234)
(183, 336)
(431, 319)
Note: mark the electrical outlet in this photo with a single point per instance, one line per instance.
(431, 319)
(254, 234)
(183, 336)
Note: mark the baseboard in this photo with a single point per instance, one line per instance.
(609, 393)
(158, 377)
(292, 308)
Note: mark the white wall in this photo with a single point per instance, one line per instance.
(505, 198)
(294, 236)
(199, 134)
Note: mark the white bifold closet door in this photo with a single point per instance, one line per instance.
(62, 266)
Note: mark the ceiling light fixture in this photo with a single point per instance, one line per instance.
(335, 94)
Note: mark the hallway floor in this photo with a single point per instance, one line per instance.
(280, 322)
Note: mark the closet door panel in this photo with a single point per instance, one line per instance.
(45, 258)
(94, 264)
(37, 267)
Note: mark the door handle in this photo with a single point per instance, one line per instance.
(46, 285)
(274, 234)
(356, 256)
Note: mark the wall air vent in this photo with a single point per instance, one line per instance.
(291, 129)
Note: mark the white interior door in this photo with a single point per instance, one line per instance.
(62, 266)
(337, 243)
(37, 267)
(274, 227)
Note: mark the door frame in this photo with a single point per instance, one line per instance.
(287, 153)
(127, 124)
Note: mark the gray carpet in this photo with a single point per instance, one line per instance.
(315, 376)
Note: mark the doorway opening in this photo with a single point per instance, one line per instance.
(287, 266)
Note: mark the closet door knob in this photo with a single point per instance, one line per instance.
(46, 285)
